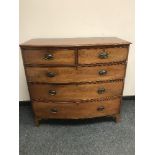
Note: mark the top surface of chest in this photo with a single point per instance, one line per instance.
(74, 42)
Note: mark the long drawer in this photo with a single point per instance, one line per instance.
(48, 57)
(75, 92)
(102, 55)
(76, 110)
(71, 74)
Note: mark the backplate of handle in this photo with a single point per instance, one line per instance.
(53, 110)
(103, 55)
(51, 74)
(102, 72)
(48, 56)
(52, 92)
(101, 90)
(101, 108)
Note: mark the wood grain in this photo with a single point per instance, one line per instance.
(74, 42)
(71, 74)
(67, 86)
(75, 92)
(61, 56)
(91, 56)
(75, 110)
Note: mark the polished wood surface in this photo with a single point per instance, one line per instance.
(74, 42)
(61, 56)
(91, 56)
(75, 92)
(72, 74)
(76, 110)
(76, 77)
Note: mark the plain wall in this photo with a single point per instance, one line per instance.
(77, 18)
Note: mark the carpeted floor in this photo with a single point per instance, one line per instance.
(87, 137)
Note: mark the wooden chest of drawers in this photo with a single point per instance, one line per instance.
(75, 78)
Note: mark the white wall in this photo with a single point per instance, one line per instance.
(78, 18)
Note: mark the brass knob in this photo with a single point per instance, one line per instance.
(52, 92)
(103, 55)
(51, 74)
(102, 72)
(101, 90)
(48, 56)
(101, 108)
(53, 110)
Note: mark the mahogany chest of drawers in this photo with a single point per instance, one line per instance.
(75, 78)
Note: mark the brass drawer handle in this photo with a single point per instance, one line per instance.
(101, 90)
(102, 72)
(51, 74)
(48, 56)
(52, 92)
(54, 110)
(101, 108)
(103, 55)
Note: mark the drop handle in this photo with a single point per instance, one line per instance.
(54, 110)
(102, 72)
(51, 74)
(48, 56)
(103, 55)
(101, 108)
(52, 92)
(101, 90)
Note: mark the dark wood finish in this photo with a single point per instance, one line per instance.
(75, 110)
(75, 78)
(71, 74)
(75, 92)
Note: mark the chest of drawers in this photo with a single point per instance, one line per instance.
(75, 78)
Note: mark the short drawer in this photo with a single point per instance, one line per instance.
(47, 57)
(102, 55)
(76, 110)
(71, 74)
(75, 92)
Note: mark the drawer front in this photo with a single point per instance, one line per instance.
(46, 57)
(75, 92)
(100, 55)
(76, 110)
(71, 74)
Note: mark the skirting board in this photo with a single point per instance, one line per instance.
(28, 103)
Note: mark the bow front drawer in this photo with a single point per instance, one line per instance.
(75, 92)
(76, 110)
(47, 57)
(102, 55)
(71, 74)
(75, 77)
